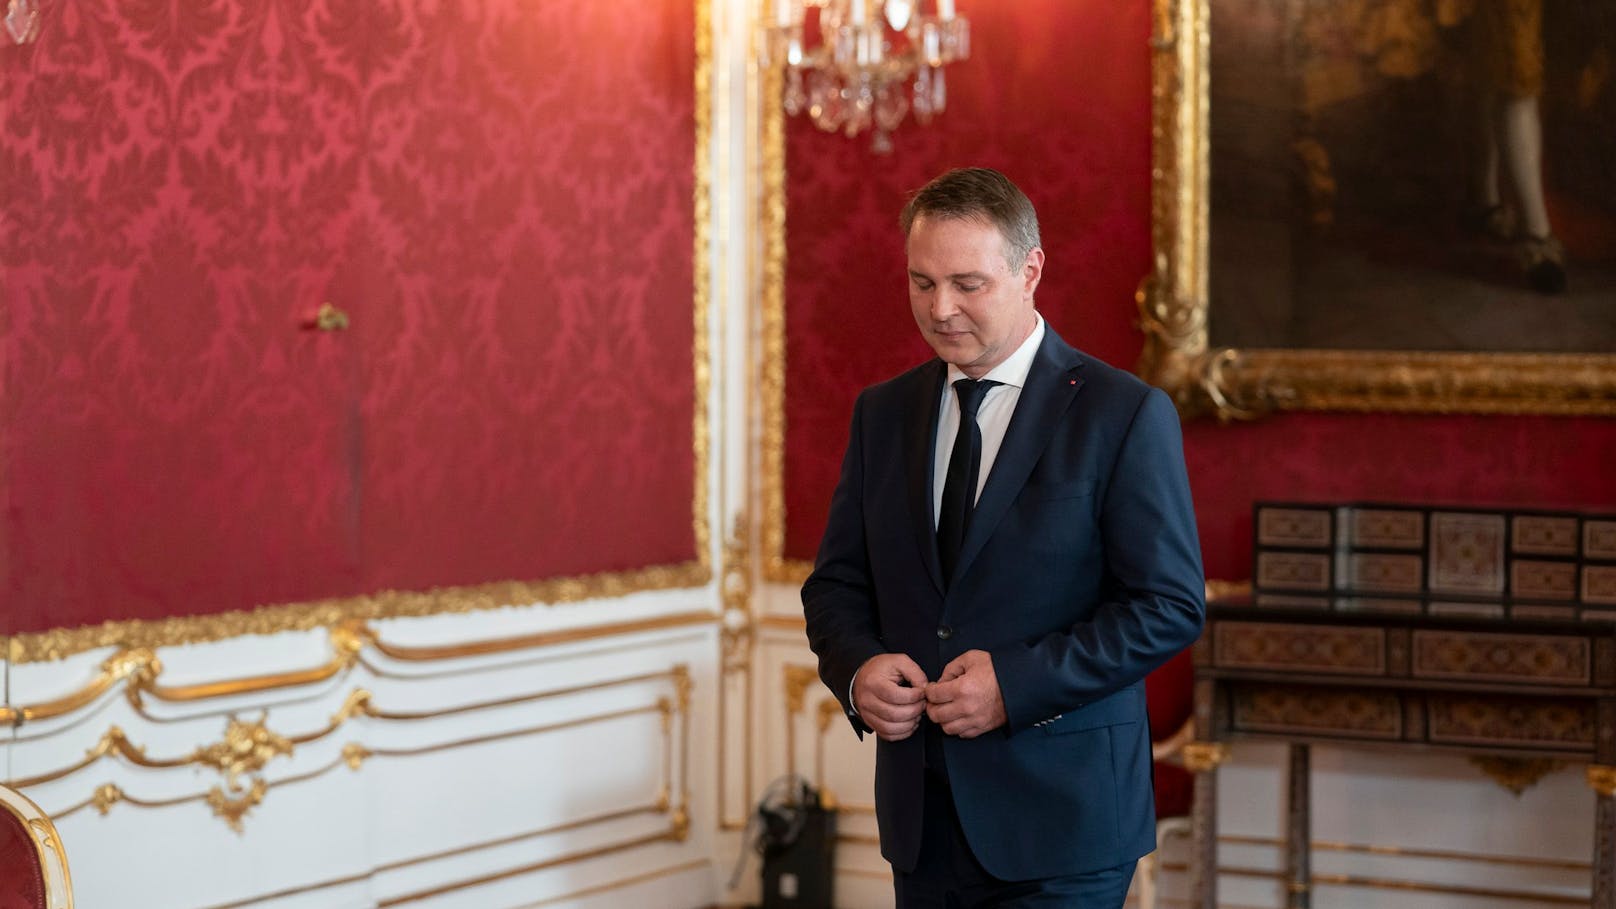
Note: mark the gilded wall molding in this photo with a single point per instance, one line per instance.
(247, 748)
(701, 346)
(139, 668)
(772, 225)
(1174, 301)
(796, 680)
(58, 643)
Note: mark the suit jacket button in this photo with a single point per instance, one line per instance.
(944, 632)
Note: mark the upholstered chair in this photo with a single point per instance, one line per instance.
(33, 864)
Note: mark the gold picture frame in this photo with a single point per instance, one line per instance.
(1234, 383)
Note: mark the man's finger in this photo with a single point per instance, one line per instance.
(909, 671)
(892, 713)
(943, 714)
(891, 692)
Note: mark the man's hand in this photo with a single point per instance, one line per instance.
(889, 691)
(966, 701)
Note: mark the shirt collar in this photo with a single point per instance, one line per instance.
(1014, 369)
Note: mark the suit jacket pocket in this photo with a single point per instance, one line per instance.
(1126, 706)
(1060, 489)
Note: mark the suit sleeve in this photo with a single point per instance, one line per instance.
(838, 599)
(1153, 600)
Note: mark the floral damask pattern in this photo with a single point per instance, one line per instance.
(499, 193)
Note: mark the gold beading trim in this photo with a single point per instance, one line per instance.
(1173, 299)
(56, 643)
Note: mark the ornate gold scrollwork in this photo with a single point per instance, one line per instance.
(232, 810)
(1200, 757)
(829, 710)
(354, 755)
(736, 631)
(1516, 774)
(1602, 779)
(797, 679)
(106, 795)
(246, 748)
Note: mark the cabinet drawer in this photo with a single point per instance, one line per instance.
(1544, 659)
(1311, 648)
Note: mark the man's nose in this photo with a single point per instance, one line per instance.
(944, 305)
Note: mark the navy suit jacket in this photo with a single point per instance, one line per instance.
(1080, 573)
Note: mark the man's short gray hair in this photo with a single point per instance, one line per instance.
(979, 193)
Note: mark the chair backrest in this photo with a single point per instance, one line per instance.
(33, 864)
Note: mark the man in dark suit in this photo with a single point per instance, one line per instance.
(1010, 549)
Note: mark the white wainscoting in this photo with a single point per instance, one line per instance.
(586, 781)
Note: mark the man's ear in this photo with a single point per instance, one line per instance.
(1032, 270)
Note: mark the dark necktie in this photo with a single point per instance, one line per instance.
(959, 488)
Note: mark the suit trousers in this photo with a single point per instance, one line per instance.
(948, 876)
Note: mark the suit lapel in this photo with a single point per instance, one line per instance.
(1051, 384)
(919, 454)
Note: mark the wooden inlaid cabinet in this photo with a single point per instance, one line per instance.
(1513, 689)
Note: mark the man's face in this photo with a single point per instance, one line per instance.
(972, 307)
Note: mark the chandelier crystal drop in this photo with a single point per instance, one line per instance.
(22, 20)
(856, 65)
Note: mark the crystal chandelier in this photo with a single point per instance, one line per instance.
(22, 20)
(855, 64)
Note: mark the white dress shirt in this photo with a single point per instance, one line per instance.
(993, 417)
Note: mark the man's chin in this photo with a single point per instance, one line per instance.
(956, 351)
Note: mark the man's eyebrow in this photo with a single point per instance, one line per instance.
(980, 276)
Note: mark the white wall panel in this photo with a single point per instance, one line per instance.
(574, 775)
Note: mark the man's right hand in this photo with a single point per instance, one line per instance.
(889, 692)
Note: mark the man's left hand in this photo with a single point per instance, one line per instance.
(965, 700)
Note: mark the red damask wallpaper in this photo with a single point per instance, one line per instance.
(1057, 95)
(498, 194)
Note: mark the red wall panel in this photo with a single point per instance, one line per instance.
(1058, 96)
(500, 195)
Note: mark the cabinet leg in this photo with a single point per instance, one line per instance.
(1203, 758)
(1602, 779)
(1299, 834)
